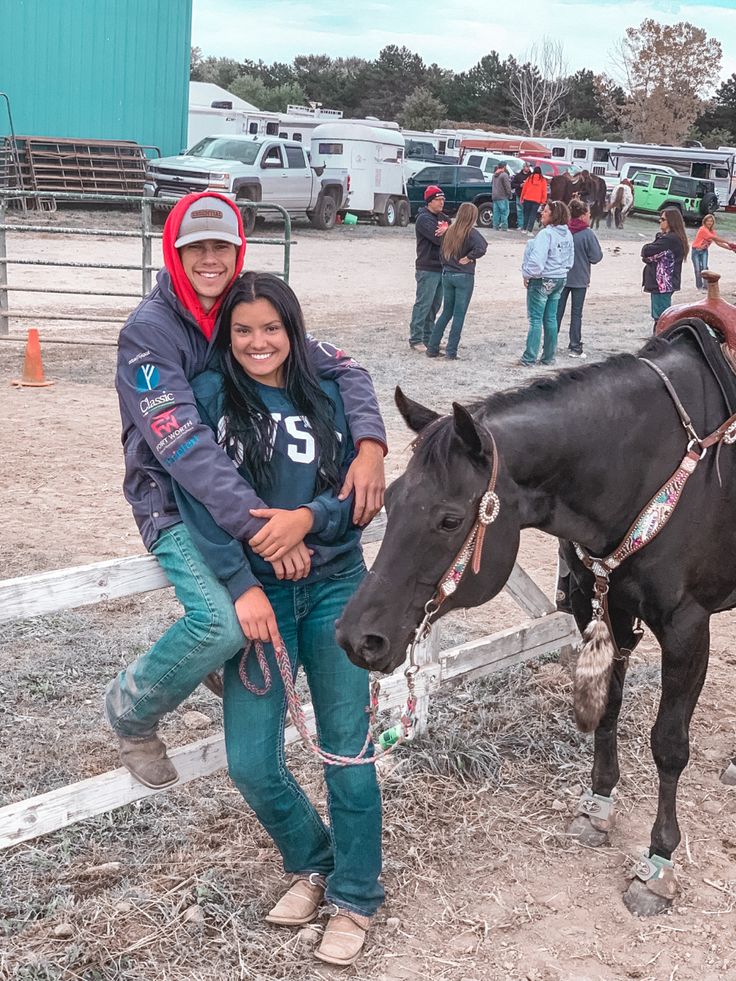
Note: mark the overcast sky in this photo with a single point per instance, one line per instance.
(454, 33)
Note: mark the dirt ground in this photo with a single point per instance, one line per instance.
(482, 882)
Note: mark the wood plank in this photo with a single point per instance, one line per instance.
(68, 805)
(526, 594)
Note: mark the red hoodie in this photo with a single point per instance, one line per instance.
(179, 280)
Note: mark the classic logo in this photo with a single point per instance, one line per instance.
(146, 378)
(173, 437)
(164, 423)
(148, 405)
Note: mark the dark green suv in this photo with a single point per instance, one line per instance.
(460, 184)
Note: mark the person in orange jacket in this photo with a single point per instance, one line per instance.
(533, 196)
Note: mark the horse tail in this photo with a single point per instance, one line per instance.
(593, 676)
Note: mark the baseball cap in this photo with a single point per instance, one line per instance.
(433, 192)
(208, 218)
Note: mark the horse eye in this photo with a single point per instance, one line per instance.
(450, 522)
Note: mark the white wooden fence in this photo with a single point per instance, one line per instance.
(66, 589)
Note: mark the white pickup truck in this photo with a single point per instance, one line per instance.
(257, 169)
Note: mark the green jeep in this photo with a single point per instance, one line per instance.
(460, 184)
(692, 196)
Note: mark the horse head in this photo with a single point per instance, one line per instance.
(431, 510)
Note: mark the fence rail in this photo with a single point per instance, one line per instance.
(63, 589)
(145, 233)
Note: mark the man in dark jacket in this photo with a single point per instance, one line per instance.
(430, 226)
(165, 343)
(502, 194)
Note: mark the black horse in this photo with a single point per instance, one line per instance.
(579, 455)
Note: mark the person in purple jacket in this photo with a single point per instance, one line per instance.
(166, 342)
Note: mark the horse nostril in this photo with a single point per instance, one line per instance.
(373, 646)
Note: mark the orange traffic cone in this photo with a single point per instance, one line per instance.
(33, 376)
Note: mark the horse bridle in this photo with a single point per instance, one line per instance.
(470, 553)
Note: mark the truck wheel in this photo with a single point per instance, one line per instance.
(403, 213)
(249, 215)
(485, 215)
(324, 215)
(388, 218)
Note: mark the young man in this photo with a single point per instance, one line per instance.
(430, 226)
(166, 341)
(501, 193)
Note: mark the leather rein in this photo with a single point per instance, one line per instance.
(654, 516)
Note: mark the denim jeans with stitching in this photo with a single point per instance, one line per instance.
(577, 301)
(348, 852)
(700, 262)
(501, 214)
(426, 305)
(202, 640)
(457, 289)
(542, 297)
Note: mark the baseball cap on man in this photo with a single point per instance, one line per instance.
(208, 218)
(433, 192)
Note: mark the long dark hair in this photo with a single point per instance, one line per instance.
(247, 420)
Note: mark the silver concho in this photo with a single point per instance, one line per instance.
(488, 508)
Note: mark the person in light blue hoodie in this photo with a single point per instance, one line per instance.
(547, 259)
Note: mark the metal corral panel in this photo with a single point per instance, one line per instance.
(97, 69)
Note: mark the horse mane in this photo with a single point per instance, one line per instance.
(433, 444)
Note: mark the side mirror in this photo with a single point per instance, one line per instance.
(270, 165)
(411, 181)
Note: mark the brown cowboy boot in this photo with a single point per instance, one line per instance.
(145, 757)
(300, 903)
(344, 937)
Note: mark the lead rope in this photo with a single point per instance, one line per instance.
(406, 723)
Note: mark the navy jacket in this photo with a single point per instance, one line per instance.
(473, 248)
(587, 252)
(160, 350)
(428, 243)
(334, 539)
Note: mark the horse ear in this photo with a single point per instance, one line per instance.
(416, 416)
(475, 438)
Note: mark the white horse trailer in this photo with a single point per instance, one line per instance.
(207, 120)
(374, 160)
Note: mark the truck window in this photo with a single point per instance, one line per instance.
(272, 129)
(295, 157)
(330, 149)
(579, 154)
(699, 170)
(683, 187)
(662, 183)
(558, 151)
(474, 160)
(297, 137)
(470, 175)
(720, 172)
(600, 154)
(283, 135)
(253, 128)
(434, 175)
(273, 154)
(222, 148)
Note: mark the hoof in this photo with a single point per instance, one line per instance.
(729, 775)
(582, 829)
(641, 901)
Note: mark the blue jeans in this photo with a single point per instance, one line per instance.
(348, 854)
(577, 300)
(542, 297)
(501, 215)
(457, 288)
(531, 210)
(201, 641)
(426, 305)
(700, 262)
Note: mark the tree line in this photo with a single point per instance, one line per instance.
(661, 89)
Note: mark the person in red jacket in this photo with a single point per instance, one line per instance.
(167, 340)
(533, 196)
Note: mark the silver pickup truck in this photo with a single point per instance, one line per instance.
(257, 169)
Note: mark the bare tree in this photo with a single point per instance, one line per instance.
(539, 86)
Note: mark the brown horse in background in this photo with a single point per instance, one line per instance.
(588, 187)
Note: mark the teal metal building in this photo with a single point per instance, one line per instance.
(97, 69)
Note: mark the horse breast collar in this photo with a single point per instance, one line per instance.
(655, 515)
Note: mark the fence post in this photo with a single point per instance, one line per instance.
(427, 652)
(4, 319)
(146, 243)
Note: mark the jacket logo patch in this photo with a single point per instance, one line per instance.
(174, 436)
(147, 405)
(164, 423)
(181, 451)
(146, 378)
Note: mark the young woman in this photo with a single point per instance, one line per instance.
(705, 236)
(663, 261)
(587, 253)
(533, 195)
(462, 244)
(285, 431)
(548, 257)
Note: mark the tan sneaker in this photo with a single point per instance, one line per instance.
(300, 903)
(146, 760)
(343, 938)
